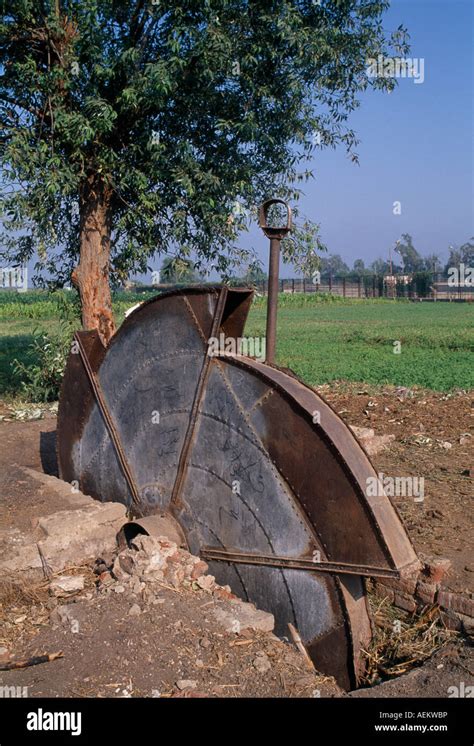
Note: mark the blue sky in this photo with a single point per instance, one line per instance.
(416, 147)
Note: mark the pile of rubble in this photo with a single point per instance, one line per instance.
(151, 563)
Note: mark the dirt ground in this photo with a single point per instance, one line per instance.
(434, 439)
(173, 638)
(31, 444)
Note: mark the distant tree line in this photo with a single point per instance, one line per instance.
(406, 260)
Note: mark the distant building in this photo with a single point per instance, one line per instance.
(14, 278)
(400, 279)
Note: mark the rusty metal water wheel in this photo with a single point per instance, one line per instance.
(265, 480)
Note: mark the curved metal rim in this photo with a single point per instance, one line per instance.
(354, 457)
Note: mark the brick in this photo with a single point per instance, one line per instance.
(436, 569)
(456, 602)
(450, 620)
(382, 591)
(404, 602)
(200, 568)
(426, 592)
(404, 585)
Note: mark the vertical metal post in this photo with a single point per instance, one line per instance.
(272, 299)
(275, 234)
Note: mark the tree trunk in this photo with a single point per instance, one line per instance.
(91, 276)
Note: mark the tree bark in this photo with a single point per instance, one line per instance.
(91, 276)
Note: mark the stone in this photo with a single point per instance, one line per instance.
(136, 586)
(156, 549)
(70, 614)
(372, 443)
(262, 663)
(105, 579)
(186, 684)
(71, 536)
(224, 593)
(467, 624)
(206, 582)
(81, 534)
(153, 576)
(241, 615)
(199, 568)
(446, 445)
(377, 444)
(66, 584)
(4, 654)
(134, 610)
(100, 568)
(122, 567)
(175, 575)
(402, 392)
(126, 563)
(362, 432)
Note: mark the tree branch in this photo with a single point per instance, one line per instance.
(26, 107)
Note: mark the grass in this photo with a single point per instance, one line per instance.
(321, 338)
(354, 340)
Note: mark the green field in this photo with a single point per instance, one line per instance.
(353, 340)
(321, 339)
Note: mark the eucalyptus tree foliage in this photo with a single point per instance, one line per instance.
(135, 127)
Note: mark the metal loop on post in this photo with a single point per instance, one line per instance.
(270, 231)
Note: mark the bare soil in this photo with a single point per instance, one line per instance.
(31, 444)
(434, 439)
(114, 655)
